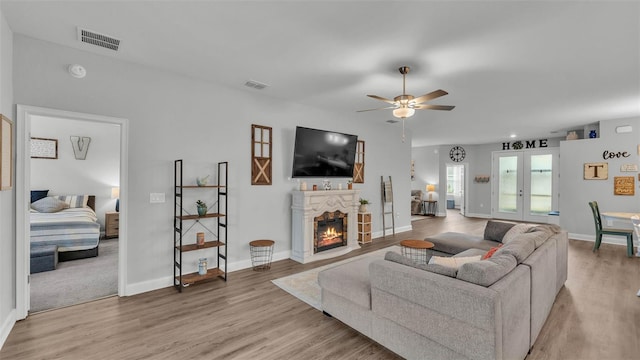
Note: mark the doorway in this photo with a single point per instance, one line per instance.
(25, 116)
(456, 188)
(525, 185)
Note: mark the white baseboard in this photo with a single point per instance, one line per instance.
(481, 216)
(378, 234)
(7, 326)
(614, 240)
(155, 284)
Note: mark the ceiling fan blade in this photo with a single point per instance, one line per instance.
(430, 96)
(384, 108)
(433, 107)
(382, 99)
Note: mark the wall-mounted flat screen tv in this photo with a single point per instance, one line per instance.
(320, 153)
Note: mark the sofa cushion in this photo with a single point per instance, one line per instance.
(350, 280)
(521, 247)
(516, 231)
(454, 242)
(487, 272)
(434, 268)
(539, 234)
(495, 230)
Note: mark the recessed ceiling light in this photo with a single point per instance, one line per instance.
(513, 136)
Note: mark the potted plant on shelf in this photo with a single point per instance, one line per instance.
(202, 208)
(363, 205)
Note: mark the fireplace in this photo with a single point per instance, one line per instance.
(329, 231)
(319, 225)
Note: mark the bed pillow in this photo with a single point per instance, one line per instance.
(38, 194)
(74, 201)
(49, 204)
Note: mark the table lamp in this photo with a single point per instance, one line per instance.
(430, 189)
(115, 194)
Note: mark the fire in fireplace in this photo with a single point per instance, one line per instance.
(330, 231)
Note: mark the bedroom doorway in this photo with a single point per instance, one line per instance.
(456, 188)
(103, 187)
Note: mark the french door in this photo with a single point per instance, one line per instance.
(524, 184)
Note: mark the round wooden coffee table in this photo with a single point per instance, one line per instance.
(416, 250)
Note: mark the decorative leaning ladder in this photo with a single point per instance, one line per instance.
(386, 196)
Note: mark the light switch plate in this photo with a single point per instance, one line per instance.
(156, 198)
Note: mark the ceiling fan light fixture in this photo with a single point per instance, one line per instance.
(403, 112)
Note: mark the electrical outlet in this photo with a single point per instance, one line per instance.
(156, 198)
(609, 222)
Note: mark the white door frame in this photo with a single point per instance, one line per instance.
(524, 183)
(464, 184)
(23, 188)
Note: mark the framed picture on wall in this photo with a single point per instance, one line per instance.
(42, 148)
(6, 153)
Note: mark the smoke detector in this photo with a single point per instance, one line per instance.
(97, 39)
(77, 71)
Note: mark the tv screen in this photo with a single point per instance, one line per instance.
(320, 153)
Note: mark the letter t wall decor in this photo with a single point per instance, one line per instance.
(80, 146)
(260, 155)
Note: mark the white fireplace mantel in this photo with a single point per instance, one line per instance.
(306, 205)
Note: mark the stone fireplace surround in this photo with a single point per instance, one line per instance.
(306, 205)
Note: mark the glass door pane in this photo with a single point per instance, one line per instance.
(541, 194)
(508, 184)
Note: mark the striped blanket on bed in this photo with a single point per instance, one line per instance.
(70, 229)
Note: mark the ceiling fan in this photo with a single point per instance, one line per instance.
(405, 105)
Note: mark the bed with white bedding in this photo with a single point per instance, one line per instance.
(75, 230)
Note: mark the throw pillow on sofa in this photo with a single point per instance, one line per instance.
(495, 230)
(453, 262)
(434, 268)
(490, 253)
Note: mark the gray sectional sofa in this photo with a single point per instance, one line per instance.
(488, 309)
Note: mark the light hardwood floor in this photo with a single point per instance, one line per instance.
(596, 316)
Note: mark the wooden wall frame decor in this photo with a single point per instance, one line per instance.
(624, 185)
(358, 166)
(261, 154)
(6, 153)
(42, 148)
(596, 171)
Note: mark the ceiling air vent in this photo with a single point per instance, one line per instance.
(94, 38)
(255, 84)
(392, 121)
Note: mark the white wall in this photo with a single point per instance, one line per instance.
(95, 175)
(575, 192)
(174, 117)
(7, 197)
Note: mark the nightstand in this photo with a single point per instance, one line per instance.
(111, 224)
(430, 207)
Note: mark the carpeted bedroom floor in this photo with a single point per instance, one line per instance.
(77, 281)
